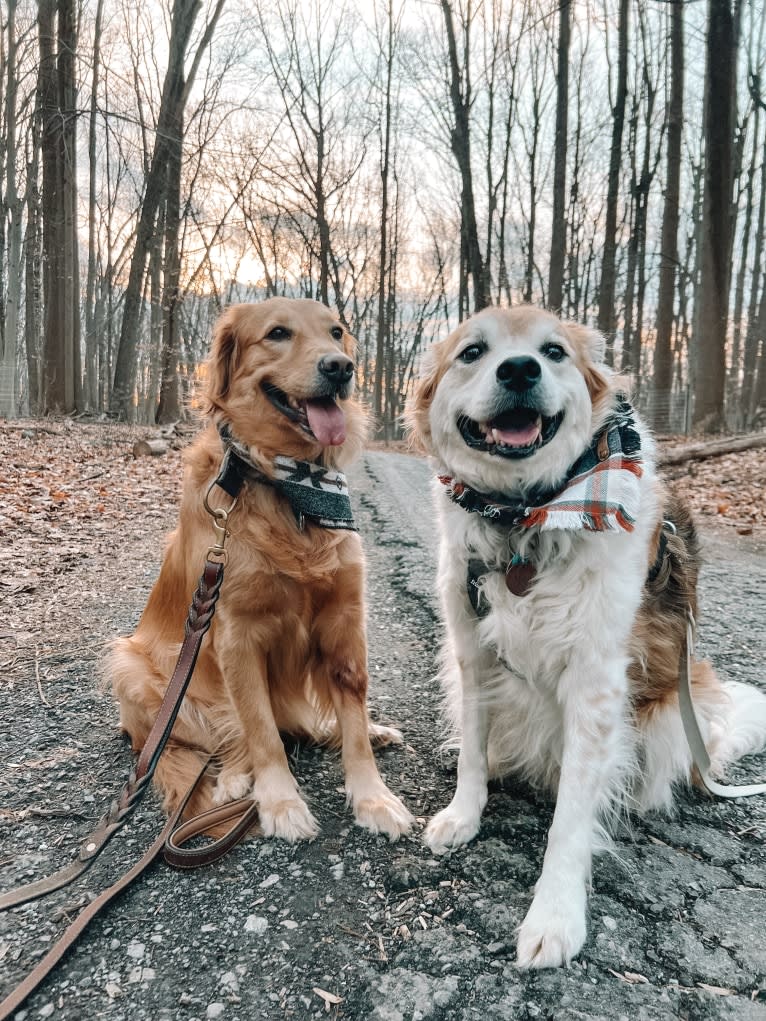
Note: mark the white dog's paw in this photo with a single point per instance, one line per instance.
(553, 931)
(289, 819)
(451, 828)
(383, 812)
(231, 786)
(381, 736)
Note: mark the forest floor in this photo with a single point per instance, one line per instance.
(348, 926)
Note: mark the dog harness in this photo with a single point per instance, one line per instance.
(313, 491)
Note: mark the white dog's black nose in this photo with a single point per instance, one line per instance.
(518, 373)
(337, 368)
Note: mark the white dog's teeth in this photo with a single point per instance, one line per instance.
(294, 403)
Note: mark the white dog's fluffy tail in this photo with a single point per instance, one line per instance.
(746, 723)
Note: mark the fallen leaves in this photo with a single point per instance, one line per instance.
(728, 489)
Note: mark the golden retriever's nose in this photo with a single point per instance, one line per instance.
(337, 368)
(518, 373)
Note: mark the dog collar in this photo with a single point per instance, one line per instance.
(600, 492)
(313, 491)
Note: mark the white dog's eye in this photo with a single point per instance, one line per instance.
(554, 352)
(471, 353)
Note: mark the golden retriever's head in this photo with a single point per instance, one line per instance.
(511, 398)
(281, 374)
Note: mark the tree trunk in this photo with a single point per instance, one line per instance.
(91, 340)
(9, 335)
(558, 222)
(663, 355)
(715, 231)
(606, 308)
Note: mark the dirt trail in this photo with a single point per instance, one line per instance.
(273, 931)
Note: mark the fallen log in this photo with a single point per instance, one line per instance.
(149, 448)
(712, 448)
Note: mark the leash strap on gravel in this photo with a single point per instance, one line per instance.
(692, 728)
(243, 812)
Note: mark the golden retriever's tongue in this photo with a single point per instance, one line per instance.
(522, 435)
(327, 421)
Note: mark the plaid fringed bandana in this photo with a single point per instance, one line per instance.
(600, 492)
(314, 492)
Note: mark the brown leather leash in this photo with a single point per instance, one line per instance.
(242, 813)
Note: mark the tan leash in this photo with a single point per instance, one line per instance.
(692, 729)
(242, 813)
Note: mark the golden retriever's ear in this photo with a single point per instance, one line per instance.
(591, 348)
(419, 404)
(221, 362)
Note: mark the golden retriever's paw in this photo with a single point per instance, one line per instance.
(383, 812)
(450, 828)
(553, 931)
(231, 786)
(381, 736)
(289, 820)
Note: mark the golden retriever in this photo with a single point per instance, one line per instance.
(287, 649)
(566, 573)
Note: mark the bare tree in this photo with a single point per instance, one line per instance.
(558, 220)
(461, 98)
(663, 356)
(716, 226)
(606, 302)
(175, 93)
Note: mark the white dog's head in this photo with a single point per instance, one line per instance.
(512, 398)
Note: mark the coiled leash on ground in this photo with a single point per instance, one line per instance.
(242, 813)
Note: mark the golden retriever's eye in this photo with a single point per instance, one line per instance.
(471, 353)
(336, 332)
(554, 352)
(279, 333)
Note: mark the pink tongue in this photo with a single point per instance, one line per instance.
(327, 421)
(522, 437)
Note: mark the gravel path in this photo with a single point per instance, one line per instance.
(351, 926)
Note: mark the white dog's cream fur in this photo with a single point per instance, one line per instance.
(559, 684)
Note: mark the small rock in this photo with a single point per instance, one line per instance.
(47, 1010)
(269, 881)
(609, 923)
(289, 923)
(215, 1010)
(257, 924)
(136, 951)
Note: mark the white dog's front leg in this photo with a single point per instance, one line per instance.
(594, 727)
(459, 821)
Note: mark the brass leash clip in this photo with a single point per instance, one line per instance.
(220, 516)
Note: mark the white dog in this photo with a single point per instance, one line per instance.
(565, 593)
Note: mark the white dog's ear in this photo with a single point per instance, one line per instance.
(419, 403)
(590, 346)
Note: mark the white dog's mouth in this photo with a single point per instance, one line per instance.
(516, 433)
(318, 416)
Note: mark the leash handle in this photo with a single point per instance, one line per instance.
(693, 731)
(17, 996)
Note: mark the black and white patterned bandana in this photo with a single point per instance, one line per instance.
(315, 493)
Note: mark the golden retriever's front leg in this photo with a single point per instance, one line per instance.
(283, 812)
(341, 670)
